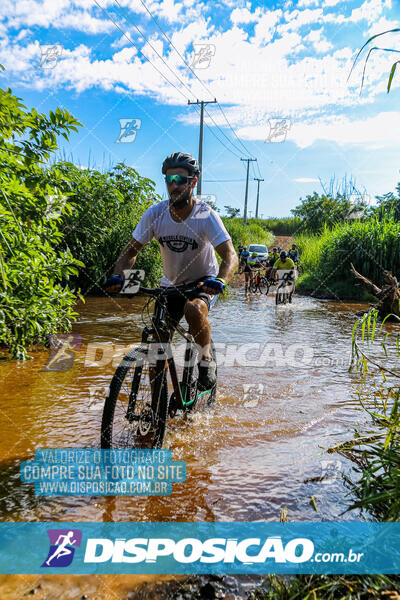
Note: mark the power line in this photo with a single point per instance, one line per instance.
(223, 180)
(158, 71)
(198, 78)
(138, 49)
(173, 72)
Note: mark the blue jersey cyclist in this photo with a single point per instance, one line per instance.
(188, 231)
(294, 253)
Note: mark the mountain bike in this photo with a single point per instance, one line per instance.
(139, 401)
(285, 289)
(260, 283)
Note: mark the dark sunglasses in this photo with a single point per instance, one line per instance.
(179, 179)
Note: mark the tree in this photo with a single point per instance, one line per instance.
(388, 206)
(319, 210)
(231, 212)
(105, 210)
(35, 300)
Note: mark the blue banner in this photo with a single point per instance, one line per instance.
(207, 548)
(95, 472)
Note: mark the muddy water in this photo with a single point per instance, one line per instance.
(246, 458)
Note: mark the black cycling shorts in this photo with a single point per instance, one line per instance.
(247, 269)
(176, 302)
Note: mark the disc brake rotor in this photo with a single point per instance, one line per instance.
(146, 420)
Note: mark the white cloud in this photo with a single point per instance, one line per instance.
(266, 26)
(383, 128)
(306, 180)
(302, 3)
(59, 14)
(318, 40)
(258, 77)
(370, 11)
(243, 15)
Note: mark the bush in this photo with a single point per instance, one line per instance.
(35, 300)
(106, 209)
(251, 233)
(371, 246)
(318, 211)
(282, 225)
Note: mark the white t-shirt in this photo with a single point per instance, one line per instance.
(187, 248)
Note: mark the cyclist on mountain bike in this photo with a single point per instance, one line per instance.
(283, 262)
(252, 263)
(273, 257)
(293, 253)
(286, 263)
(188, 231)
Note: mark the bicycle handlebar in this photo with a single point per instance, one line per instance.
(164, 291)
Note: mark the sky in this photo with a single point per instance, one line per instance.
(281, 73)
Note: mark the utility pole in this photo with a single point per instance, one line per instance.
(248, 160)
(202, 104)
(258, 192)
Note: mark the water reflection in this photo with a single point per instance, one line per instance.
(245, 459)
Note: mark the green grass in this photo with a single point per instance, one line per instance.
(326, 587)
(281, 225)
(251, 233)
(372, 247)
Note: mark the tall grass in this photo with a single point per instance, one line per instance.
(252, 233)
(372, 246)
(282, 225)
(327, 587)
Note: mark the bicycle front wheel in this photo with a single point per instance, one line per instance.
(263, 285)
(132, 416)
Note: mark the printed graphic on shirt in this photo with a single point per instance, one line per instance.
(178, 243)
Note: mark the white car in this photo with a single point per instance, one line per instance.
(260, 250)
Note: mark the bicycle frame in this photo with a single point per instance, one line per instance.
(161, 333)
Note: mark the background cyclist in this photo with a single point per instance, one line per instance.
(293, 253)
(283, 262)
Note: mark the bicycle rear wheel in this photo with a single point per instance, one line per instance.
(129, 419)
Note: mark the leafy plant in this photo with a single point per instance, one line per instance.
(35, 300)
(252, 233)
(326, 587)
(394, 65)
(105, 210)
(318, 211)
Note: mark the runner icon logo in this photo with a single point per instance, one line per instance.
(61, 551)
